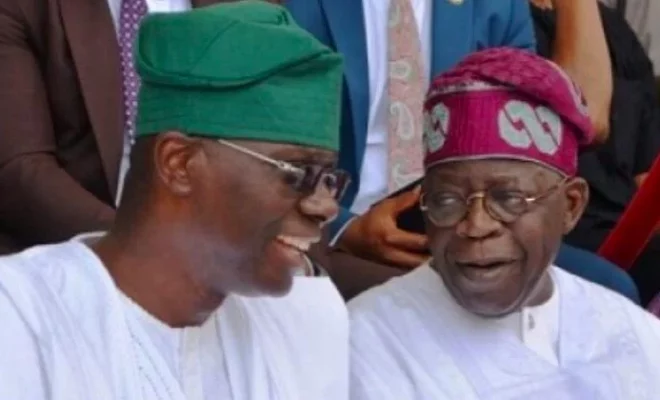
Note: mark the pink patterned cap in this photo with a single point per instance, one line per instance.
(506, 103)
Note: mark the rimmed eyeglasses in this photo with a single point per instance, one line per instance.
(446, 209)
(303, 178)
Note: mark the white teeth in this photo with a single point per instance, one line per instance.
(299, 243)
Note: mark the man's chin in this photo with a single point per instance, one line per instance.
(275, 280)
(280, 291)
(274, 271)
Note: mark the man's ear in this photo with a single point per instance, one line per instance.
(576, 191)
(173, 152)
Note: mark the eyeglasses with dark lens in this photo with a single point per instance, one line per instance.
(304, 178)
(446, 209)
(307, 178)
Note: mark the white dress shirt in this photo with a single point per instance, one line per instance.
(154, 6)
(373, 174)
(538, 328)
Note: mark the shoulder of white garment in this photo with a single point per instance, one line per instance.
(21, 368)
(36, 276)
(575, 288)
(396, 294)
(619, 313)
(21, 335)
(386, 332)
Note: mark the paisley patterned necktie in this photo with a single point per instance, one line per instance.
(406, 94)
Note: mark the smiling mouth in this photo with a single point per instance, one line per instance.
(297, 243)
(485, 264)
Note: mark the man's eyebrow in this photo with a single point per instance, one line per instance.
(302, 156)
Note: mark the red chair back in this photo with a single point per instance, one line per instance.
(637, 224)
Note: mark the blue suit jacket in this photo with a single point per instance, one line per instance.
(456, 31)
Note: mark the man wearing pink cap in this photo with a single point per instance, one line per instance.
(490, 316)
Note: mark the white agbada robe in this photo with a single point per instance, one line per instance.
(410, 340)
(68, 333)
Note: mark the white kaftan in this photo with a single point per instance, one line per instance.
(410, 340)
(68, 333)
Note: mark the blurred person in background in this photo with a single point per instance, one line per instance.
(615, 169)
(643, 17)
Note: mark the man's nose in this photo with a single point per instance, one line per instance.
(320, 206)
(478, 223)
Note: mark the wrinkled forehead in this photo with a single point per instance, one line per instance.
(477, 174)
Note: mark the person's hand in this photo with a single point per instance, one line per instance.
(375, 235)
(639, 179)
(543, 4)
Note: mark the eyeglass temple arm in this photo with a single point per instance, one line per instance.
(268, 160)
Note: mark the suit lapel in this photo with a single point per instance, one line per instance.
(450, 33)
(346, 22)
(93, 41)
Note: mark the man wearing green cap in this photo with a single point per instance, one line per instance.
(232, 179)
